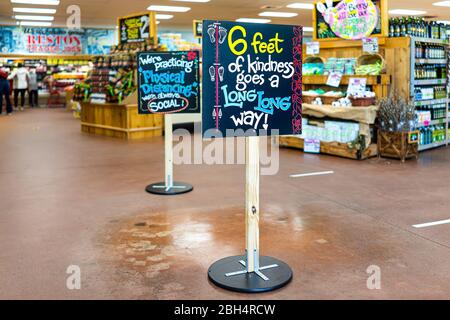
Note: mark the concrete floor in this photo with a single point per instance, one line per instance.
(67, 198)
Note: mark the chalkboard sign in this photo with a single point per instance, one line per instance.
(168, 82)
(135, 28)
(198, 28)
(350, 19)
(252, 79)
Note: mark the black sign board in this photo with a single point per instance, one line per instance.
(198, 28)
(252, 79)
(134, 29)
(169, 82)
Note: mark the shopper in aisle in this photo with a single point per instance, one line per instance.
(4, 92)
(20, 77)
(33, 88)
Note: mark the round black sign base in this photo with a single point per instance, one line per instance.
(161, 189)
(276, 277)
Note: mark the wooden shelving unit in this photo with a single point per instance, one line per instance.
(364, 116)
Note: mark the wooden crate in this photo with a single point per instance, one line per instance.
(397, 145)
(120, 121)
(331, 148)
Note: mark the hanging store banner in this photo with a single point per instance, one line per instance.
(252, 79)
(350, 19)
(55, 41)
(136, 28)
(169, 82)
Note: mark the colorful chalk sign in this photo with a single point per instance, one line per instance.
(348, 19)
(169, 82)
(252, 79)
(136, 28)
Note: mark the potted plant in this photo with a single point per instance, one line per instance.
(397, 134)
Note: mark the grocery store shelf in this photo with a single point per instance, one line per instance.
(432, 145)
(431, 123)
(430, 82)
(427, 40)
(431, 61)
(430, 102)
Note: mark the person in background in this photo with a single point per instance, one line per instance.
(33, 88)
(20, 77)
(5, 91)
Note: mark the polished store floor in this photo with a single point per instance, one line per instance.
(68, 198)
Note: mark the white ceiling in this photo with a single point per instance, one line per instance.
(103, 13)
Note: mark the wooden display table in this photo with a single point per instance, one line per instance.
(365, 116)
(121, 121)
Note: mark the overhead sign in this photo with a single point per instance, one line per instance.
(55, 41)
(350, 19)
(136, 28)
(198, 27)
(169, 82)
(252, 79)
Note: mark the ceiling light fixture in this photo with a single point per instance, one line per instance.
(168, 8)
(34, 10)
(39, 2)
(308, 29)
(163, 16)
(35, 24)
(252, 20)
(36, 18)
(442, 4)
(278, 14)
(406, 12)
(301, 5)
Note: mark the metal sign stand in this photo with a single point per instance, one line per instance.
(169, 187)
(251, 280)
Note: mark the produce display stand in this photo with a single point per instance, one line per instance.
(120, 121)
(365, 116)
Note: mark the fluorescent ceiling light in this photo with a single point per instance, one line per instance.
(442, 4)
(308, 29)
(38, 18)
(35, 23)
(278, 14)
(301, 5)
(251, 20)
(40, 2)
(168, 8)
(407, 12)
(34, 10)
(164, 16)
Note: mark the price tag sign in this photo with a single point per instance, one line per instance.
(334, 79)
(370, 45)
(356, 85)
(312, 48)
(311, 146)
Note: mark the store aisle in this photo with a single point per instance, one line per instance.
(67, 198)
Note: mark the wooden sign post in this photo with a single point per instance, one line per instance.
(169, 84)
(169, 187)
(256, 89)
